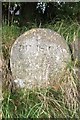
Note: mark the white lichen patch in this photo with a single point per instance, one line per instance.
(19, 82)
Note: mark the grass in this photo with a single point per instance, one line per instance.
(61, 102)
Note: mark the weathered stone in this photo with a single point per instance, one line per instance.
(39, 58)
(75, 46)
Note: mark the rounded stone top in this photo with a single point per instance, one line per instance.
(38, 58)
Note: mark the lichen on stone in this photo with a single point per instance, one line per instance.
(39, 57)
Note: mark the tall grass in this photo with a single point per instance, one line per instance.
(59, 101)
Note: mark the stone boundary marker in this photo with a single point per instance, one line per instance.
(39, 58)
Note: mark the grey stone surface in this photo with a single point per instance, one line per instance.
(76, 49)
(38, 58)
(76, 56)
